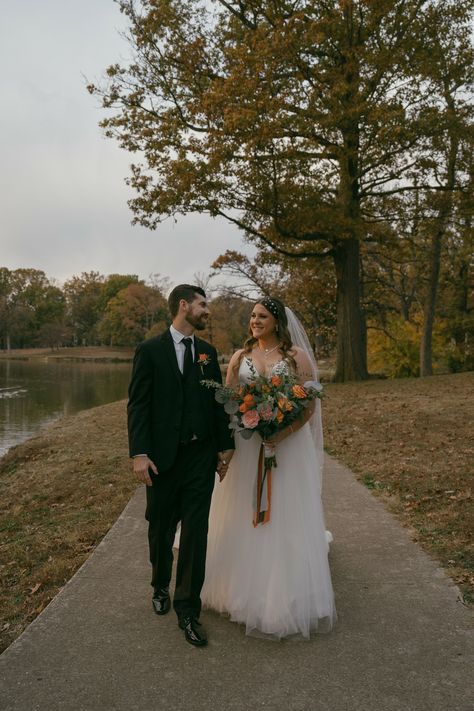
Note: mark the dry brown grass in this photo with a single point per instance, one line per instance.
(60, 492)
(412, 442)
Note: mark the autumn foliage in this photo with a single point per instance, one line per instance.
(304, 123)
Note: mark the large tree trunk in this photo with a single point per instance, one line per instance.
(351, 361)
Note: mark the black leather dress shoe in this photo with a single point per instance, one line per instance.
(161, 601)
(193, 635)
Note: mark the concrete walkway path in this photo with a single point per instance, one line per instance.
(402, 642)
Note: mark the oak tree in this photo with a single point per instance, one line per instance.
(294, 120)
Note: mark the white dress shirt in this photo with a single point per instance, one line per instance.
(179, 346)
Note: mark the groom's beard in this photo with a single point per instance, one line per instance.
(197, 322)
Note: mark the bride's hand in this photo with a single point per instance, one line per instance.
(269, 447)
(279, 436)
(223, 460)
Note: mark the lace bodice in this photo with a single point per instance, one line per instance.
(248, 371)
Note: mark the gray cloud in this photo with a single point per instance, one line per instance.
(62, 192)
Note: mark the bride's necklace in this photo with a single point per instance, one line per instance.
(266, 351)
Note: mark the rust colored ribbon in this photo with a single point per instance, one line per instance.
(263, 491)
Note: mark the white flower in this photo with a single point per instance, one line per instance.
(313, 385)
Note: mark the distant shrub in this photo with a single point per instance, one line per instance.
(459, 348)
(395, 350)
(459, 359)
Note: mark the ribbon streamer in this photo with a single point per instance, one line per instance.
(263, 493)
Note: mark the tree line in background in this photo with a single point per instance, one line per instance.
(338, 136)
(90, 309)
(122, 310)
(93, 309)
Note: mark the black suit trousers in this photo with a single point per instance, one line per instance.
(182, 493)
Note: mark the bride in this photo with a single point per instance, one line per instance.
(273, 577)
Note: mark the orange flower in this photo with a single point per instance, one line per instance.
(285, 405)
(275, 380)
(299, 391)
(248, 399)
(243, 407)
(265, 389)
(279, 416)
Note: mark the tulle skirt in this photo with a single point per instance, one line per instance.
(274, 578)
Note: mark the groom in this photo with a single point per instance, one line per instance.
(178, 437)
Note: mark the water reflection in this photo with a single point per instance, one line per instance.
(34, 393)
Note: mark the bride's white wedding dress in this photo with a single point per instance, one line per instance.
(274, 578)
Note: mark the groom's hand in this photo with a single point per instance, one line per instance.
(223, 462)
(141, 465)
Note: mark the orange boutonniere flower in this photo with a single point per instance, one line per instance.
(202, 360)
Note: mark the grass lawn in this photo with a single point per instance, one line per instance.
(60, 492)
(410, 441)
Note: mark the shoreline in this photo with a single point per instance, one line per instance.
(70, 354)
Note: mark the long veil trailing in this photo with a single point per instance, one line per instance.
(300, 339)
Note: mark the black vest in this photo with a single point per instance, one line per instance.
(192, 421)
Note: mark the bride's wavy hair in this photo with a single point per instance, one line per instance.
(277, 309)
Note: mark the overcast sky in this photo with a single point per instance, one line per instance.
(63, 200)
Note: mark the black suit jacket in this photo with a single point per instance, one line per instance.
(155, 404)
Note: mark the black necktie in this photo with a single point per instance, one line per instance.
(188, 356)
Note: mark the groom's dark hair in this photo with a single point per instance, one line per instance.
(183, 291)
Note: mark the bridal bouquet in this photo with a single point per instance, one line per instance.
(265, 405)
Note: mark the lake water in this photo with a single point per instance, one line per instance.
(34, 393)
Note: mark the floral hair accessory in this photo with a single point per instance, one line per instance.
(270, 305)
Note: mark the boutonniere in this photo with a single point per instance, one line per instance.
(203, 359)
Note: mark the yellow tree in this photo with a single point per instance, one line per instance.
(133, 314)
(290, 119)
